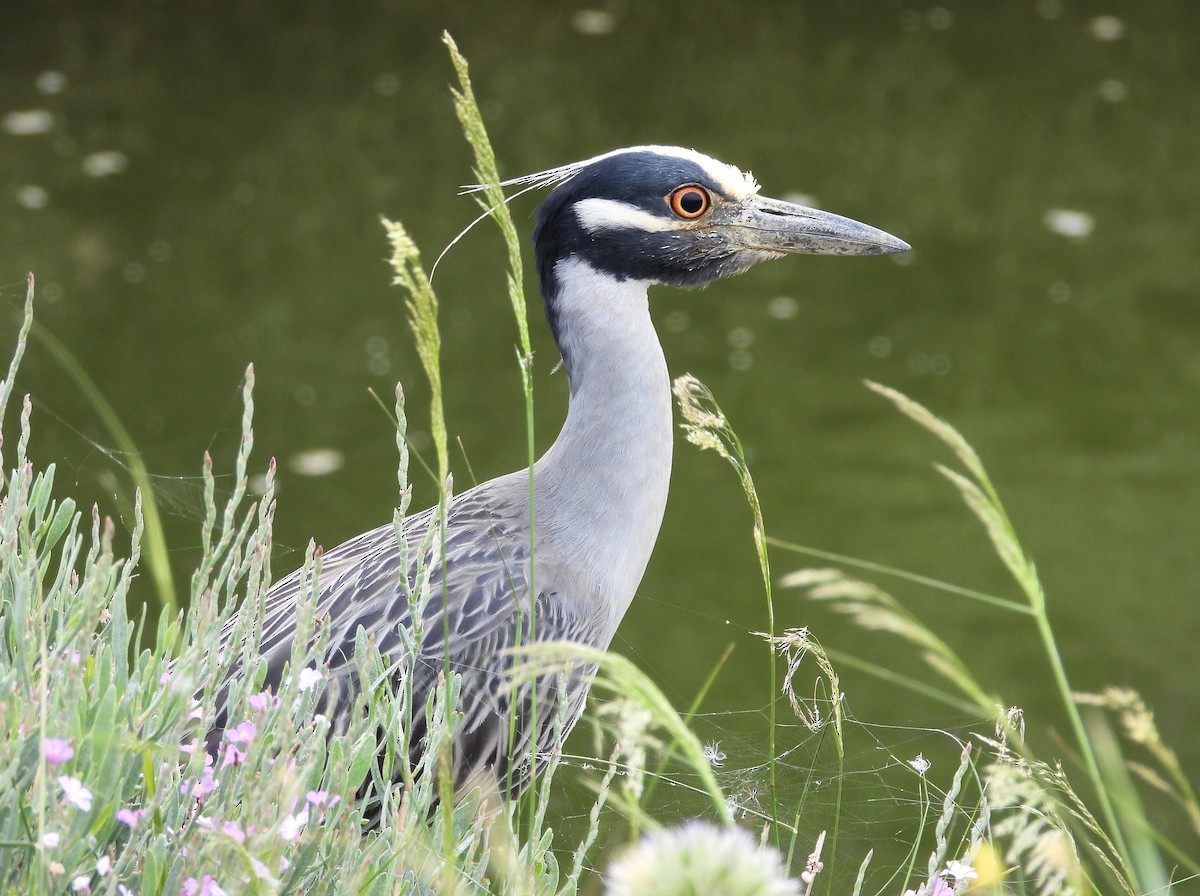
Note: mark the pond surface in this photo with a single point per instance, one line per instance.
(199, 189)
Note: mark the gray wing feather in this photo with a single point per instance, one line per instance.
(470, 617)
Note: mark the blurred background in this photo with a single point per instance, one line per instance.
(198, 186)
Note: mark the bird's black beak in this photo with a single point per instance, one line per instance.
(782, 228)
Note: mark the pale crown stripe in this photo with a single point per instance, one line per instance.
(732, 182)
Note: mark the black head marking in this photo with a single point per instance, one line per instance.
(641, 179)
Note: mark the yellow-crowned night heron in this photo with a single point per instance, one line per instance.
(613, 225)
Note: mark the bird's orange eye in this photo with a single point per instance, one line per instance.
(689, 201)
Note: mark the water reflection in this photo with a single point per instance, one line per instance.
(27, 122)
(196, 192)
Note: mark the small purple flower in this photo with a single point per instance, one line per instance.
(56, 750)
(231, 755)
(934, 887)
(206, 886)
(199, 789)
(130, 817)
(243, 733)
(320, 799)
(262, 872)
(189, 747)
(234, 830)
(262, 701)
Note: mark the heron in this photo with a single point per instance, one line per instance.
(612, 226)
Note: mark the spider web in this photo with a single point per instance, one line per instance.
(882, 796)
(880, 792)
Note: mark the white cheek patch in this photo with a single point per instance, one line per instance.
(610, 214)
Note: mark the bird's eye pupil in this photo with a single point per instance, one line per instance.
(689, 201)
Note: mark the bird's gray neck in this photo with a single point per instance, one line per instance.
(601, 488)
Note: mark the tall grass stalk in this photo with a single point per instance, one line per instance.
(422, 307)
(618, 675)
(495, 204)
(688, 716)
(153, 538)
(706, 426)
(980, 496)
(6, 387)
(1124, 844)
(1138, 724)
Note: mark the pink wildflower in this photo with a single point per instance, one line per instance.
(130, 817)
(56, 750)
(262, 872)
(243, 733)
(935, 887)
(320, 799)
(262, 701)
(199, 789)
(206, 886)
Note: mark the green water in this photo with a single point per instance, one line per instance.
(249, 152)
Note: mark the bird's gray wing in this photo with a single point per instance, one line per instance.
(476, 606)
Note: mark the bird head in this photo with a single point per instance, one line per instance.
(662, 214)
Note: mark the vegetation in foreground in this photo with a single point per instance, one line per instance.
(107, 788)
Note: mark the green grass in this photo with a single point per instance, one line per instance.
(104, 789)
(1095, 836)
